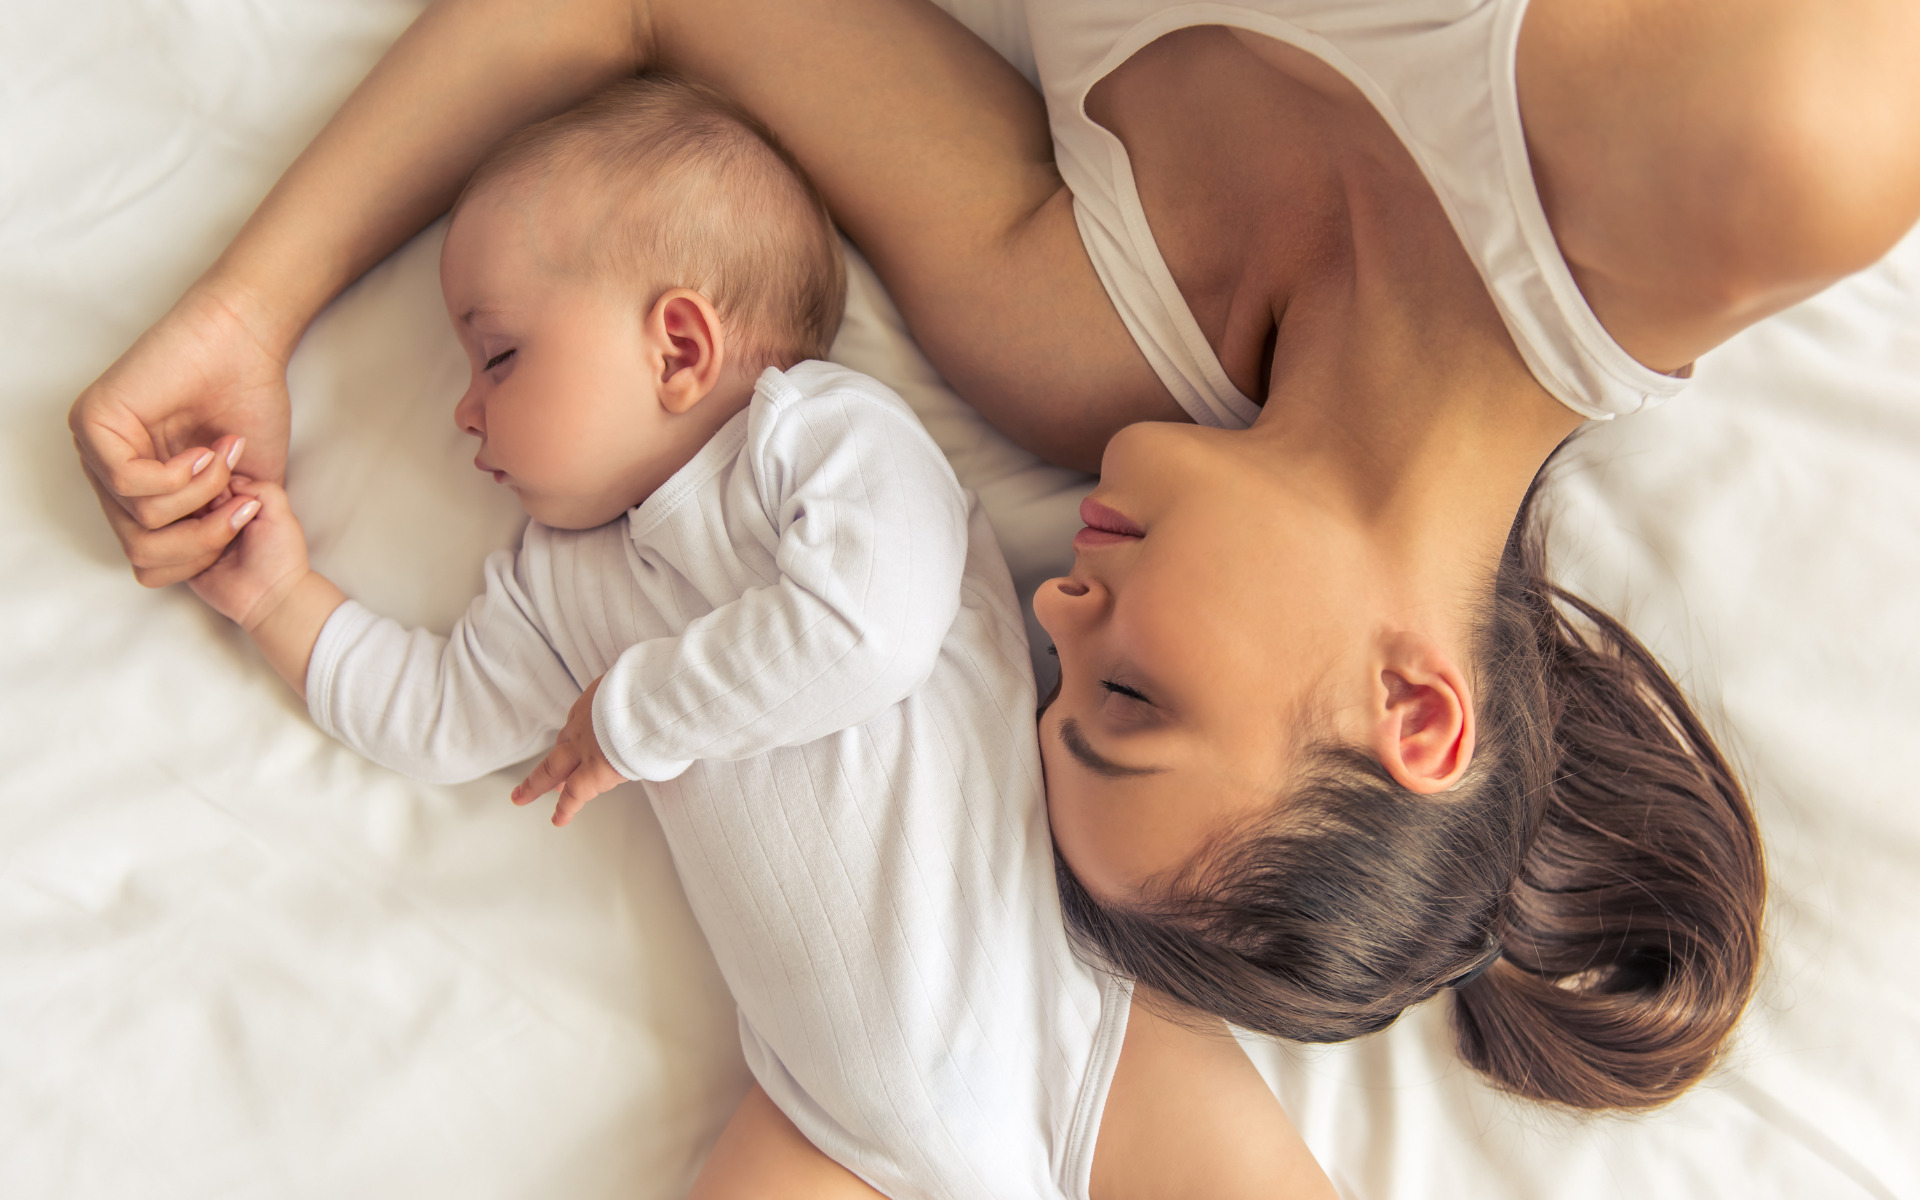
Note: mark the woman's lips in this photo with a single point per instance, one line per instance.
(1104, 526)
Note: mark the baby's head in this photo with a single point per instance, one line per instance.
(619, 276)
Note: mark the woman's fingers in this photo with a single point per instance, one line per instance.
(206, 474)
(122, 451)
(161, 492)
(182, 549)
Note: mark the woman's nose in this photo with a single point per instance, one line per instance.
(1070, 604)
(470, 415)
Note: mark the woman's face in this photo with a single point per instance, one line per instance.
(1212, 607)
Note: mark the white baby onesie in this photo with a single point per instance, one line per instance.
(813, 652)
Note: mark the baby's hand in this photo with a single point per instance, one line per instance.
(262, 565)
(576, 761)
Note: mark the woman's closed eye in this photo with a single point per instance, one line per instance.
(1127, 707)
(497, 359)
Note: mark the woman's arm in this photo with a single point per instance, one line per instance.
(1704, 163)
(388, 162)
(935, 157)
(1188, 1116)
(932, 152)
(762, 1156)
(462, 76)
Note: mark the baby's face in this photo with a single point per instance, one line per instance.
(563, 395)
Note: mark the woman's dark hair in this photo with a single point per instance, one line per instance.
(1599, 840)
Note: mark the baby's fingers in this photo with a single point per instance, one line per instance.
(550, 774)
(591, 778)
(574, 797)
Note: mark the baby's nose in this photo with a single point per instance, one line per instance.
(469, 415)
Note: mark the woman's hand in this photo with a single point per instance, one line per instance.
(199, 396)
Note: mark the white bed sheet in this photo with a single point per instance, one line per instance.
(235, 960)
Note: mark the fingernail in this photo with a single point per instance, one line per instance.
(200, 464)
(233, 455)
(244, 513)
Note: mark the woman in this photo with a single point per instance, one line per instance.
(1341, 212)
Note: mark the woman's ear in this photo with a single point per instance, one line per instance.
(688, 348)
(1420, 717)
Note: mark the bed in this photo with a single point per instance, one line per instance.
(238, 961)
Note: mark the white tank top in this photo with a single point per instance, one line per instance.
(1441, 73)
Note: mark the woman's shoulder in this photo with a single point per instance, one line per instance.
(1703, 165)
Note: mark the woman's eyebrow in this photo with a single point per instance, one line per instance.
(1077, 745)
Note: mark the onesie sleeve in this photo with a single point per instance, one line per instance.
(443, 709)
(872, 529)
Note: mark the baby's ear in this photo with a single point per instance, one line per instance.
(688, 348)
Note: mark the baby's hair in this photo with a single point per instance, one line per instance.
(684, 188)
(1591, 892)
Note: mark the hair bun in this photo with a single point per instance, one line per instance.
(1480, 968)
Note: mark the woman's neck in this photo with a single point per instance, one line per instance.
(1394, 375)
(1432, 467)
(1399, 382)
(1339, 288)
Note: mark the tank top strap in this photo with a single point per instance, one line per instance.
(1441, 73)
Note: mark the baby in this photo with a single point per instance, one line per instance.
(753, 582)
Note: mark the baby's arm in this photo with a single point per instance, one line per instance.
(441, 709)
(873, 542)
(264, 584)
